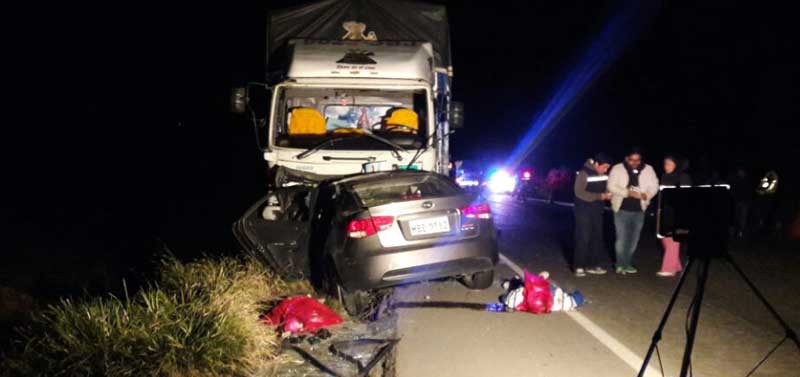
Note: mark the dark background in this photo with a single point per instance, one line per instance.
(122, 143)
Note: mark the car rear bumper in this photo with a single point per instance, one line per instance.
(367, 265)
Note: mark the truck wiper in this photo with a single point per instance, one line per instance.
(424, 148)
(317, 147)
(395, 148)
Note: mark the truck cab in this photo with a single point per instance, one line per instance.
(354, 106)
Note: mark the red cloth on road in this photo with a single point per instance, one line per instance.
(301, 314)
(538, 297)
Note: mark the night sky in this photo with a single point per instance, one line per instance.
(124, 135)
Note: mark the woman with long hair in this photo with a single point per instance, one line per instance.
(674, 175)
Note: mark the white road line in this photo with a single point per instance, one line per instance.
(624, 353)
(508, 262)
(557, 203)
(545, 201)
(564, 204)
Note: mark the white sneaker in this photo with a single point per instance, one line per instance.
(579, 272)
(665, 273)
(596, 271)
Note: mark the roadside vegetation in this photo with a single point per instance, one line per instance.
(198, 318)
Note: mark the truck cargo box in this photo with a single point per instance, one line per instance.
(379, 20)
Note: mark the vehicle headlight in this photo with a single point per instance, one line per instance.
(500, 182)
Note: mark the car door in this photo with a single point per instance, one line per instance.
(275, 229)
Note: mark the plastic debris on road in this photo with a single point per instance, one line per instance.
(354, 349)
(538, 297)
(495, 307)
(301, 314)
(536, 294)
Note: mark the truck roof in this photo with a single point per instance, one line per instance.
(360, 59)
(376, 20)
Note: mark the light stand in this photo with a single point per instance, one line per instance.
(693, 212)
(697, 302)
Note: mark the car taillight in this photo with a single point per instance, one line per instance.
(360, 228)
(479, 211)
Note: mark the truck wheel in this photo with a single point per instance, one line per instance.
(479, 280)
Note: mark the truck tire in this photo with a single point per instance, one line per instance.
(479, 280)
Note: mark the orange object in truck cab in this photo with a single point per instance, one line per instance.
(402, 120)
(306, 121)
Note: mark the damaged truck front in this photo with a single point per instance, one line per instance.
(354, 86)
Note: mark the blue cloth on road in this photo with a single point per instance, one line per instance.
(629, 227)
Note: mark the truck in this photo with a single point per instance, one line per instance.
(357, 86)
(353, 86)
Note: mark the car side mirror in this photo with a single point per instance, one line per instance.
(239, 100)
(456, 115)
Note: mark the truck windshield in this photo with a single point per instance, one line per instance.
(306, 117)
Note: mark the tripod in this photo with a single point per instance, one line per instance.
(703, 262)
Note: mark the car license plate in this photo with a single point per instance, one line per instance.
(429, 226)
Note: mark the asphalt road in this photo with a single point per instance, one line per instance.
(610, 335)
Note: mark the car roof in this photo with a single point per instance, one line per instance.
(378, 176)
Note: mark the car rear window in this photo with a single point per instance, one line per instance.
(405, 188)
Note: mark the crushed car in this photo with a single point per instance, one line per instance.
(357, 234)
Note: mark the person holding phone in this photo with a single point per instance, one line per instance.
(590, 195)
(632, 184)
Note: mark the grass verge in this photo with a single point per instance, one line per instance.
(195, 319)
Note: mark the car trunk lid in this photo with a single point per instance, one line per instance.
(425, 221)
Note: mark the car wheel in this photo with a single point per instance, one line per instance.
(357, 303)
(479, 280)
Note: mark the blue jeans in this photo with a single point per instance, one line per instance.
(629, 227)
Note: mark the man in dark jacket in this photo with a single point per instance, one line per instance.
(590, 196)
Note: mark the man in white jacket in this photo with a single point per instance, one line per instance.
(632, 184)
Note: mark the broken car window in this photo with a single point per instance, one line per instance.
(402, 189)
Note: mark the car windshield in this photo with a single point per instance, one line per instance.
(397, 189)
(308, 116)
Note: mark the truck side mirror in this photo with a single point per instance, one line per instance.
(238, 100)
(456, 115)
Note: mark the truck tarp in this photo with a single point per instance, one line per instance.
(386, 20)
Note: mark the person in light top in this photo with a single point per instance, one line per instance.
(632, 184)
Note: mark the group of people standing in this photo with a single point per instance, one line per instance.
(629, 185)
